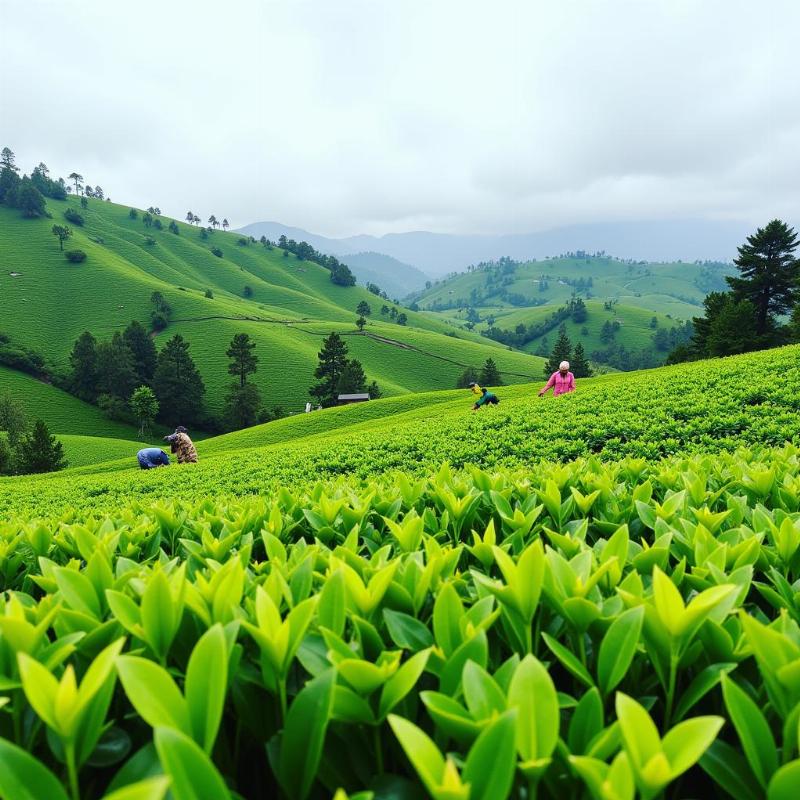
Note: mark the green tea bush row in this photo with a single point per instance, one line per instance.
(708, 407)
(592, 629)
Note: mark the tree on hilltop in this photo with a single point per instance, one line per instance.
(29, 199)
(190, 217)
(7, 159)
(212, 221)
(77, 178)
(225, 224)
(769, 273)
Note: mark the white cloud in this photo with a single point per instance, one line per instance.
(383, 116)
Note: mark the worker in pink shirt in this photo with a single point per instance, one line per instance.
(562, 381)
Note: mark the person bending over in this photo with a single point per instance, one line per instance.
(562, 381)
(151, 457)
(486, 398)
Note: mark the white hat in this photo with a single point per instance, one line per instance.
(564, 365)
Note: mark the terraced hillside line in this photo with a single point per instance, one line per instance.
(374, 336)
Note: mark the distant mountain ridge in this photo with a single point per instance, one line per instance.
(438, 254)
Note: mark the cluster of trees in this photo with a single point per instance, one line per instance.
(340, 273)
(489, 375)
(363, 309)
(564, 351)
(161, 313)
(112, 373)
(522, 334)
(24, 448)
(21, 358)
(27, 193)
(752, 314)
(337, 374)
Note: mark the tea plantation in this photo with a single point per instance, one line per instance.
(594, 596)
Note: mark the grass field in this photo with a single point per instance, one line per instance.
(48, 302)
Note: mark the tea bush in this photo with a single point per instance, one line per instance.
(591, 629)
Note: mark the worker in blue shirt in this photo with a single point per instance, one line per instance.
(151, 457)
(486, 397)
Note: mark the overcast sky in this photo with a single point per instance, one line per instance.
(348, 117)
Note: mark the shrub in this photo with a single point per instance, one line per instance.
(209, 294)
(149, 241)
(243, 241)
(133, 214)
(247, 291)
(217, 252)
(73, 216)
(159, 320)
(75, 256)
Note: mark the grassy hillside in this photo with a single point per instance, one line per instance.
(47, 302)
(62, 412)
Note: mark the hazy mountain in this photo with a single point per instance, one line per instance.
(394, 277)
(440, 253)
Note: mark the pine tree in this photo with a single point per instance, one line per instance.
(770, 273)
(12, 419)
(83, 361)
(352, 379)
(143, 350)
(332, 361)
(490, 375)
(242, 405)
(116, 372)
(177, 384)
(243, 361)
(562, 351)
(40, 452)
(579, 364)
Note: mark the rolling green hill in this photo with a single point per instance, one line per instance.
(675, 288)
(508, 294)
(46, 302)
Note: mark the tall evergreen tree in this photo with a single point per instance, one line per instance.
(352, 378)
(468, 376)
(83, 363)
(12, 419)
(732, 330)
(40, 451)
(769, 273)
(562, 351)
(332, 361)
(242, 406)
(490, 375)
(143, 350)
(177, 384)
(244, 361)
(580, 365)
(116, 372)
